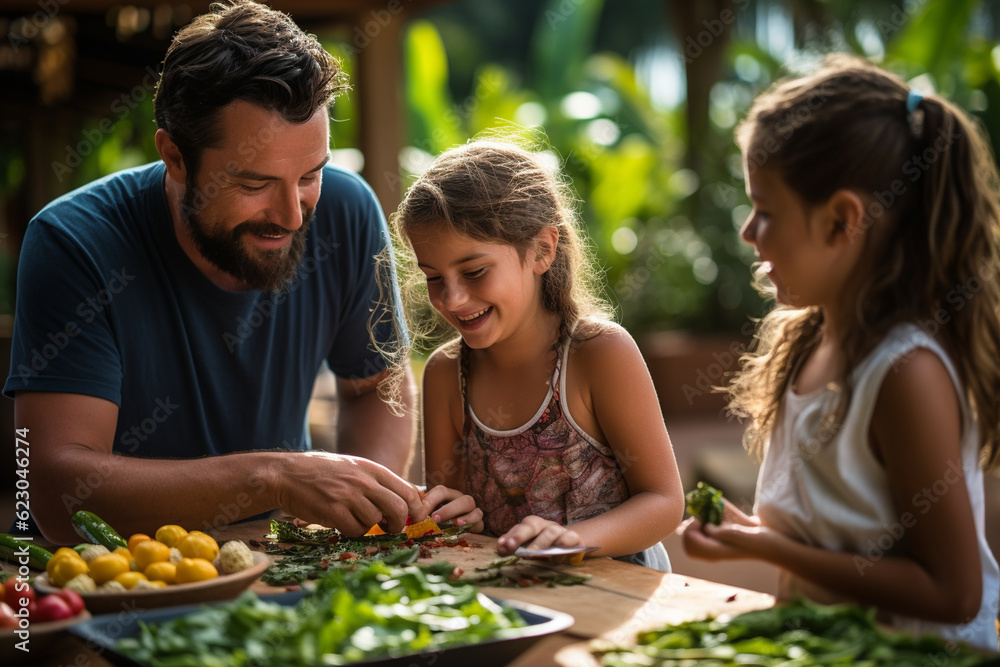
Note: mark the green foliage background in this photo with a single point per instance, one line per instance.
(658, 176)
(664, 206)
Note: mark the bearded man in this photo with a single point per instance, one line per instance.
(171, 319)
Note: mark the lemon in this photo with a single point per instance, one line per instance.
(130, 579)
(198, 545)
(107, 567)
(149, 552)
(136, 539)
(161, 571)
(170, 534)
(195, 569)
(64, 566)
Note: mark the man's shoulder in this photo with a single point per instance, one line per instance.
(104, 200)
(345, 191)
(337, 174)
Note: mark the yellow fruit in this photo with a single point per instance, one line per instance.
(136, 539)
(162, 571)
(195, 569)
(62, 552)
(149, 552)
(65, 565)
(130, 579)
(127, 555)
(198, 545)
(107, 567)
(170, 534)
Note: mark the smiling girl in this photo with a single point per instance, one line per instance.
(541, 424)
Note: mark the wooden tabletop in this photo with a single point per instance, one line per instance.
(616, 601)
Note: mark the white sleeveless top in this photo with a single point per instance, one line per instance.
(828, 489)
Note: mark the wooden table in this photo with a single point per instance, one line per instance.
(617, 601)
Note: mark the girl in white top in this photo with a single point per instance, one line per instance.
(873, 387)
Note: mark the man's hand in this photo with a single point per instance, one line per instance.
(348, 493)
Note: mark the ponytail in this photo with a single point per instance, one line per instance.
(959, 203)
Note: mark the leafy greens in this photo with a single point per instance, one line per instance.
(351, 616)
(705, 503)
(798, 634)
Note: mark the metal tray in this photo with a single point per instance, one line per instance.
(101, 634)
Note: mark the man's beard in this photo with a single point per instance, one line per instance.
(265, 270)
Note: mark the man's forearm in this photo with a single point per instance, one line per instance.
(367, 427)
(139, 495)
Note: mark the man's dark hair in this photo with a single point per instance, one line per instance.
(240, 51)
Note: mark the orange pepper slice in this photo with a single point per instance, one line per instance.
(422, 528)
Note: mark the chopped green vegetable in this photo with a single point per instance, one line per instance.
(799, 634)
(512, 572)
(353, 615)
(705, 503)
(288, 532)
(311, 553)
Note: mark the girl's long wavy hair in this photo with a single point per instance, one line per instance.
(931, 232)
(493, 189)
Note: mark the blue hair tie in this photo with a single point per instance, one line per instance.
(913, 101)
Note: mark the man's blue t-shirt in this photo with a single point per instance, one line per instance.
(109, 305)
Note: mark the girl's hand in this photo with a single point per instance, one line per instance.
(444, 504)
(739, 536)
(534, 532)
(706, 543)
(699, 544)
(733, 514)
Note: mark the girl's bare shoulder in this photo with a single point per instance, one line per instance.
(601, 346)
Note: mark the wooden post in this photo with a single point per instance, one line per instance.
(381, 106)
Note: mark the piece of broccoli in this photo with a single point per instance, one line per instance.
(705, 503)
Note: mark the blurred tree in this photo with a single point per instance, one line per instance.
(637, 100)
(644, 127)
